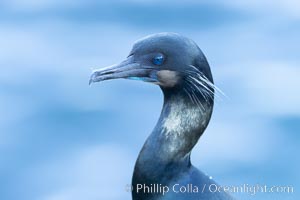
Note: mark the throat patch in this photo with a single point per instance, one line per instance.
(167, 78)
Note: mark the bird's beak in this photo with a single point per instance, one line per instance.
(126, 69)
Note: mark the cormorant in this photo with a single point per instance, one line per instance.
(163, 169)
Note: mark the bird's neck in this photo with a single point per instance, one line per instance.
(180, 125)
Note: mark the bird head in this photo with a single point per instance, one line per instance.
(172, 61)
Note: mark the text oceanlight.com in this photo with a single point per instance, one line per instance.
(212, 188)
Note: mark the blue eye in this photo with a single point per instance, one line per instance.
(158, 59)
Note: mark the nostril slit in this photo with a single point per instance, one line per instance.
(107, 72)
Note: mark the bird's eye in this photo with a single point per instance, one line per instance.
(158, 59)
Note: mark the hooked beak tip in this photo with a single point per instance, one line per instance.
(92, 78)
(90, 81)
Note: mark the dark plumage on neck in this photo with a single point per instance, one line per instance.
(166, 152)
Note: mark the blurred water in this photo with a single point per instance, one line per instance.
(61, 139)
